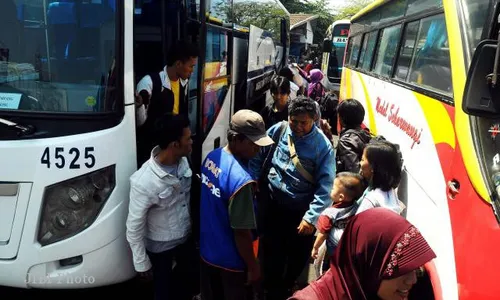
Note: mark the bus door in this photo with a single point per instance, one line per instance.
(216, 89)
(157, 25)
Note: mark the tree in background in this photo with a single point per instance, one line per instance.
(313, 7)
(350, 9)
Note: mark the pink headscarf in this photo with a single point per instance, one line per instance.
(316, 76)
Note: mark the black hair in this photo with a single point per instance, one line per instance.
(287, 73)
(280, 85)
(351, 113)
(353, 183)
(181, 50)
(386, 163)
(170, 128)
(302, 105)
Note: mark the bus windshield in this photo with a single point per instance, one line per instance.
(474, 14)
(340, 33)
(58, 56)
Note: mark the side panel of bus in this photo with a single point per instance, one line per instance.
(399, 87)
(402, 117)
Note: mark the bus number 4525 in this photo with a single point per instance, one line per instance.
(72, 157)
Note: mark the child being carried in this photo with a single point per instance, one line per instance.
(347, 188)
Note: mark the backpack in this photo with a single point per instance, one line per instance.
(328, 107)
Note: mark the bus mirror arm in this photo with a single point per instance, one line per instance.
(493, 77)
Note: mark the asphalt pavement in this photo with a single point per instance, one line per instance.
(138, 288)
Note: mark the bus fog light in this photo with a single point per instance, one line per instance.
(73, 205)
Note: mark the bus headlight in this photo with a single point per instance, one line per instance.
(73, 205)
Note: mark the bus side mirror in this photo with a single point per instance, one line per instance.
(481, 98)
(327, 46)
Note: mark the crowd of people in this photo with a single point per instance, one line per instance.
(280, 189)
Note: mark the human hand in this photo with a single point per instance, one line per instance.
(254, 274)
(305, 228)
(314, 253)
(138, 100)
(146, 276)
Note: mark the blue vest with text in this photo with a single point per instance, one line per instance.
(222, 177)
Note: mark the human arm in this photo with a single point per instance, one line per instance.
(320, 239)
(324, 226)
(324, 177)
(255, 164)
(136, 227)
(144, 90)
(142, 96)
(242, 220)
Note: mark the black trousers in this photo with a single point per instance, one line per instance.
(220, 284)
(180, 282)
(283, 253)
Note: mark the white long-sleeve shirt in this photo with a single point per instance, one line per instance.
(158, 209)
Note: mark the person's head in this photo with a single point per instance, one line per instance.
(379, 254)
(351, 113)
(316, 75)
(347, 187)
(173, 135)
(246, 134)
(287, 73)
(280, 90)
(301, 115)
(380, 165)
(182, 57)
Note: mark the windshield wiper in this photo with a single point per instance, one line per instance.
(21, 129)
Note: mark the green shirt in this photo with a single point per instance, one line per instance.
(241, 209)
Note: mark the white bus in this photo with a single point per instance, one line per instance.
(333, 53)
(68, 71)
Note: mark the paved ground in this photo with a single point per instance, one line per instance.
(132, 286)
(92, 294)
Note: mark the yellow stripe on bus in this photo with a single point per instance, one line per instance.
(371, 113)
(438, 120)
(368, 8)
(462, 123)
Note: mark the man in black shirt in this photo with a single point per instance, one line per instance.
(278, 110)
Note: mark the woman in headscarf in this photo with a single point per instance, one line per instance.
(377, 258)
(315, 89)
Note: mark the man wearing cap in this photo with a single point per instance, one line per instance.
(227, 211)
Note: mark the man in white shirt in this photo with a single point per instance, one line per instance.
(163, 92)
(159, 223)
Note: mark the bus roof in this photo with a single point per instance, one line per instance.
(370, 7)
(341, 22)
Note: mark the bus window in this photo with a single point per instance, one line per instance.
(416, 6)
(473, 17)
(363, 50)
(406, 52)
(395, 10)
(43, 45)
(215, 84)
(367, 51)
(386, 51)
(431, 63)
(219, 10)
(354, 45)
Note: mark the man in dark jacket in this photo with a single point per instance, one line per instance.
(163, 92)
(353, 137)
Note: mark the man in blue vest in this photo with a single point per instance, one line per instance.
(227, 212)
